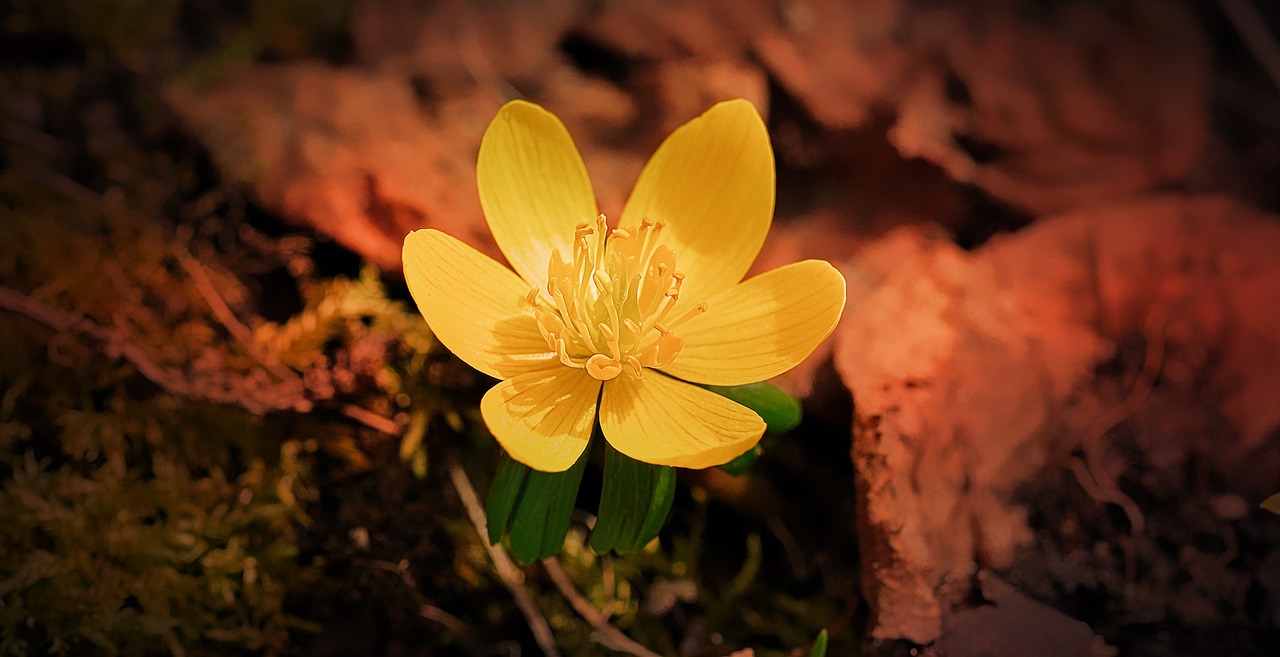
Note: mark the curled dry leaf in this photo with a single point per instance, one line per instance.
(348, 152)
(1086, 104)
(973, 373)
(839, 59)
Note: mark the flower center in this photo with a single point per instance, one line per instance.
(607, 311)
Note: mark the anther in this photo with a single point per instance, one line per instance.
(532, 297)
(602, 367)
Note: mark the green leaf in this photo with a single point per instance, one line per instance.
(503, 493)
(634, 503)
(743, 461)
(781, 412)
(819, 645)
(664, 493)
(540, 519)
(1272, 504)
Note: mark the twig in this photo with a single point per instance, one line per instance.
(1090, 486)
(790, 546)
(372, 420)
(1090, 471)
(112, 341)
(1106, 489)
(223, 313)
(425, 610)
(115, 343)
(506, 570)
(605, 634)
(444, 618)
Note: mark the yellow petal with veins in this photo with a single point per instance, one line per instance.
(761, 327)
(657, 419)
(533, 187)
(543, 419)
(711, 184)
(475, 306)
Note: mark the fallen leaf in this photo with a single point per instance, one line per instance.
(346, 151)
(971, 373)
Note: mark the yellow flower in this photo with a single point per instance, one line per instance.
(623, 319)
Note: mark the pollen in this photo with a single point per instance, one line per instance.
(608, 309)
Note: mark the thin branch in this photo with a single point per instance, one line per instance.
(372, 420)
(605, 634)
(115, 343)
(1105, 487)
(226, 316)
(507, 571)
(425, 610)
(112, 341)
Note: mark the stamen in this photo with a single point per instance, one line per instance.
(602, 282)
(563, 352)
(693, 312)
(612, 338)
(610, 305)
(602, 367)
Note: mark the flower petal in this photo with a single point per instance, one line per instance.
(657, 419)
(761, 327)
(712, 184)
(543, 419)
(475, 306)
(533, 187)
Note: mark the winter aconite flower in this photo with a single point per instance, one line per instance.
(623, 320)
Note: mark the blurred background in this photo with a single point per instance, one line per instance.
(1044, 425)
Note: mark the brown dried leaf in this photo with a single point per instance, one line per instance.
(971, 373)
(677, 29)
(455, 43)
(839, 58)
(1088, 104)
(346, 151)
